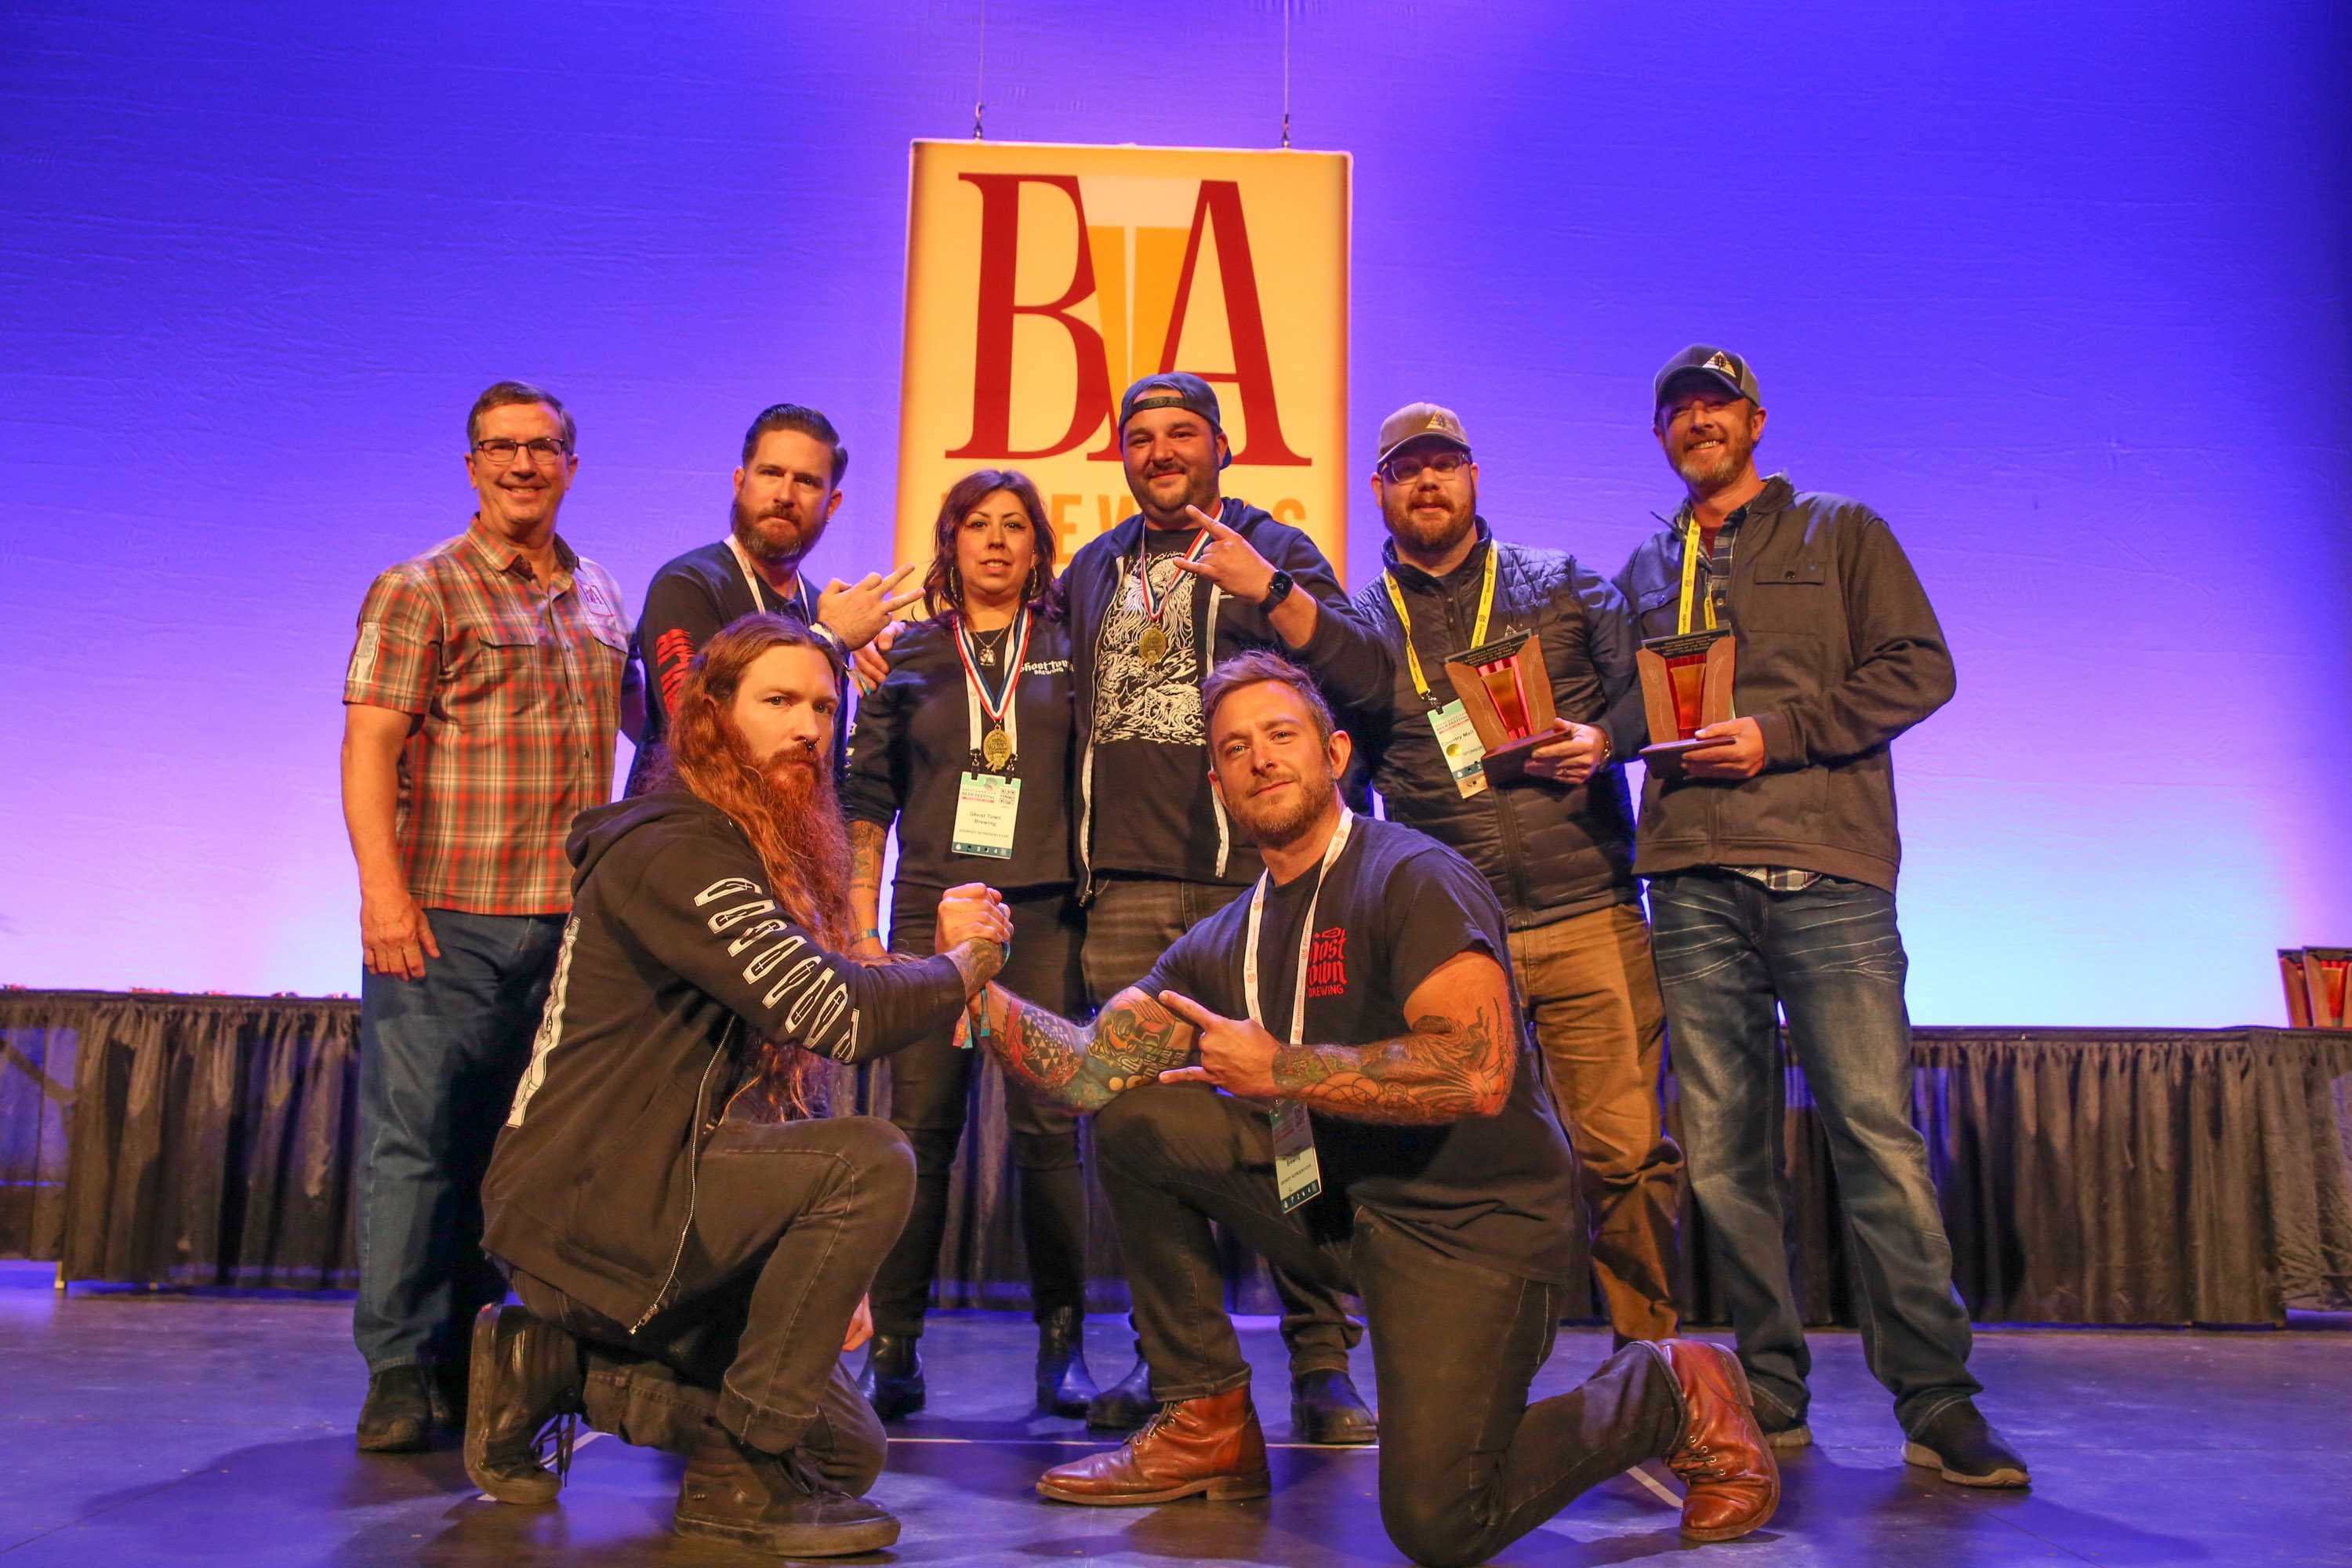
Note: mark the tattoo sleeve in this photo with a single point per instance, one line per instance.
(1130, 1044)
(977, 961)
(1446, 1069)
(865, 841)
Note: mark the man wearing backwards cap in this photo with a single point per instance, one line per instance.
(1556, 844)
(1771, 857)
(1155, 605)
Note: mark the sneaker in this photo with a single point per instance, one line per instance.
(1959, 1445)
(397, 1417)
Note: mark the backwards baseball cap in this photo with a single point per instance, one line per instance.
(1173, 389)
(1706, 362)
(1418, 422)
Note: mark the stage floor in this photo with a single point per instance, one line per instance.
(160, 1428)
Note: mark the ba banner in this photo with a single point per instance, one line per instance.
(1042, 279)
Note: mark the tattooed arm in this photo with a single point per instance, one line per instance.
(866, 840)
(1082, 1066)
(1456, 1062)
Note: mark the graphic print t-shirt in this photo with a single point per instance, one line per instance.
(1397, 905)
(1153, 813)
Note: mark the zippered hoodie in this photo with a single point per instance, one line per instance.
(675, 964)
(1347, 659)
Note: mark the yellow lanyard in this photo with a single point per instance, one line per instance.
(1478, 632)
(1691, 547)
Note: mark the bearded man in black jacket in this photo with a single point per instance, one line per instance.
(692, 1248)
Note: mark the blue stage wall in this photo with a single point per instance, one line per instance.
(2062, 290)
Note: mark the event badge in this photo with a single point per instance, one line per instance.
(1298, 1173)
(987, 807)
(1457, 737)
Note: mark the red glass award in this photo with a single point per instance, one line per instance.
(1506, 691)
(1685, 685)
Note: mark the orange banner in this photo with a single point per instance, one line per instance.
(1042, 279)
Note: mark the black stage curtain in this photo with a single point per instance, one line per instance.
(2088, 1176)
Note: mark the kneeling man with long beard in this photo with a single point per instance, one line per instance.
(691, 1248)
(1446, 1191)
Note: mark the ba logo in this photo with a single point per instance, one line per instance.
(1142, 284)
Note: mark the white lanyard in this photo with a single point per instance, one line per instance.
(1306, 937)
(797, 603)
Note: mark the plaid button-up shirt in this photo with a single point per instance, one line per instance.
(516, 687)
(1714, 585)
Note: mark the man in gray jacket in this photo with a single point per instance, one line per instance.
(1771, 857)
(1554, 843)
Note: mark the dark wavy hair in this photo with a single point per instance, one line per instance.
(942, 585)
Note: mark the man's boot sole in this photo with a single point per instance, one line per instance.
(2007, 1476)
(795, 1541)
(1772, 1502)
(1216, 1489)
(522, 1492)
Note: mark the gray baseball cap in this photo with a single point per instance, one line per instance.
(1420, 421)
(1704, 360)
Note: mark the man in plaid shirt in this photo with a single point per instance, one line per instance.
(481, 708)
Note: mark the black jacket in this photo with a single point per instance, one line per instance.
(1550, 851)
(675, 964)
(1346, 658)
(912, 746)
(1838, 653)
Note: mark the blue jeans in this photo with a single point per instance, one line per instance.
(438, 1062)
(1731, 952)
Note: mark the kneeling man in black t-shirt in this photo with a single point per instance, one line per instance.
(1416, 1161)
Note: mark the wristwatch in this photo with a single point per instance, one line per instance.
(1277, 588)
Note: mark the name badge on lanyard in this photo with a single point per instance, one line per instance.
(1457, 737)
(988, 797)
(1298, 1173)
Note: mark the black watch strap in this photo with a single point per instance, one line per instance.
(1276, 590)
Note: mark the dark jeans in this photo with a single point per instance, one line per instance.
(931, 1089)
(1729, 952)
(1467, 1466)
(440, 1058)
(789, 1223)
(1130, 923)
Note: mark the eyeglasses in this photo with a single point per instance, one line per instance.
(544, 451)
(1444, 465)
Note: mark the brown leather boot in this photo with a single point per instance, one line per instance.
(1733, 1482)
(773, 1502)
(1211, 1444)
(525, 1373)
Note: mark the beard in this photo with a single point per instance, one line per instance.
(1200, 489)
(801, 823)
(1282, 821)
(1425, 536)
(772, 536)
(1706, 472)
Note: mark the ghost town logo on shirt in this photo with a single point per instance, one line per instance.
(1326, 963)
(1139, 701)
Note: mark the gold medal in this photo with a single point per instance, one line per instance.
(996, 750)
(1152, 645)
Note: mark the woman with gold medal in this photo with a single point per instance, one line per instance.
(967, 746)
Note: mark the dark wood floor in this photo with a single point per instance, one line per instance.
(146, 1428)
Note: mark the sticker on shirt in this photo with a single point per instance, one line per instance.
(988, 805)
(364, 656)
(593, 597)
(1149, 700)
(1298, 1173)
(1457, 738)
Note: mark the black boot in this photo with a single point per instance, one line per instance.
(398, 1416)
(1325, 1408)
(1064, 1387)
(525, 1372)
(773, 1502)
(1125, 1405)
(892, 1379)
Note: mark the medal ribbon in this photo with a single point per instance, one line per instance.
(1014, 652)
(1691, 548)
(1306, 937)
(1404, 617)
(1153, 605)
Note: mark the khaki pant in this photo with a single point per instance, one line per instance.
(1592, 992)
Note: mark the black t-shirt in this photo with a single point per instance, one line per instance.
(690, 601)
(1397, 904)
(913, 743)
(1154, 816)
